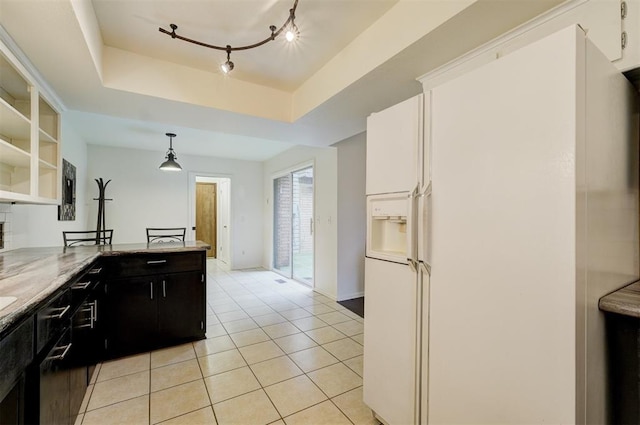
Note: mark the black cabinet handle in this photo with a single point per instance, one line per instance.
(97, 270)
(151, 292)
(156, 261)
(164, 289)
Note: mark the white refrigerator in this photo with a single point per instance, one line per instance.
(394, 274)
(529, 216)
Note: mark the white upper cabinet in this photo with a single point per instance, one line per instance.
(394, 136)
(30, 161)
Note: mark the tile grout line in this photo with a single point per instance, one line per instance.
(303, 372)
(272, 339)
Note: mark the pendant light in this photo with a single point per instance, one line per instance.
(170, 164)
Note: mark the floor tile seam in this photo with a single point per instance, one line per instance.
(340, 410)
(123, 376)
(89, 399)
(206, 388)
(302, 410)
(327, 395)
(118, 402)
(178, 362)
(182, 414)
(228, 370)
(339, 339)
(177, 385)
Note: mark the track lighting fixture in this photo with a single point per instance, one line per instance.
(291, 34)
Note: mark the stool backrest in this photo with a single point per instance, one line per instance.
(165, 234)
(87, 237)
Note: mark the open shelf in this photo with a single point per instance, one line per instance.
(13, 155)
(30, 149)
(48, 149)
(47, 181)
(48, 119)
(15, 90)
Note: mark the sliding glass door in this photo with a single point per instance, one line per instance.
(293, 225)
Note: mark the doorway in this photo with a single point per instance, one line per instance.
(207, 215)
(293, 225)
(210, 204)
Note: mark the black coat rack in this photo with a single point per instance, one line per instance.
(101, 226)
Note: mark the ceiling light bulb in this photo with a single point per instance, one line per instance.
(290, 36)
(227, 67)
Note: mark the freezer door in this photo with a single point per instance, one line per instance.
(390, 341)
(393, 138)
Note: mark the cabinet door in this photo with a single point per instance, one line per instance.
(54, 384)
(181, 306)
(132, 315)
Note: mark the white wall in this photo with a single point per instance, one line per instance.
(325, 210)
(38, 225)
(352, 216)
(144, 196)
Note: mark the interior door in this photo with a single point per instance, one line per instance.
(206, 215)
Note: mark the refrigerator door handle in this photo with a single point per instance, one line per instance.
(423, 227)
(411, 223)
(425, 268)
(420, 228)
(413, 265)
(426, 222)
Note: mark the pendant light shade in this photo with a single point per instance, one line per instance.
(170, 164)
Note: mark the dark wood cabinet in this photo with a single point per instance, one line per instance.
(150, 306)
(16, 353)
(54, 392)
(121, 304)
(180, 306)
(12, 404)
(132, 314)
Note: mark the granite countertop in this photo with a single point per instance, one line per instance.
(29, 275)
(625, 301)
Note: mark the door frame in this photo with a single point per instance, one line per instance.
(278, 174)
(192, 209)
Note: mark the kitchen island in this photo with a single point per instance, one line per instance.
(65, 309)
(622, 308)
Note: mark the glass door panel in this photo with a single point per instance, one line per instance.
(293, 225)
(302, 225)
(282, 225)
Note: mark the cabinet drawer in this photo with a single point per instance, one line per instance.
(82, 286)
(150, 264)
(52, 318)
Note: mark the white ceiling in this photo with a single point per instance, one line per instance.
(354, 57)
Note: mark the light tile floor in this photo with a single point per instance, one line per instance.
(275, 353)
